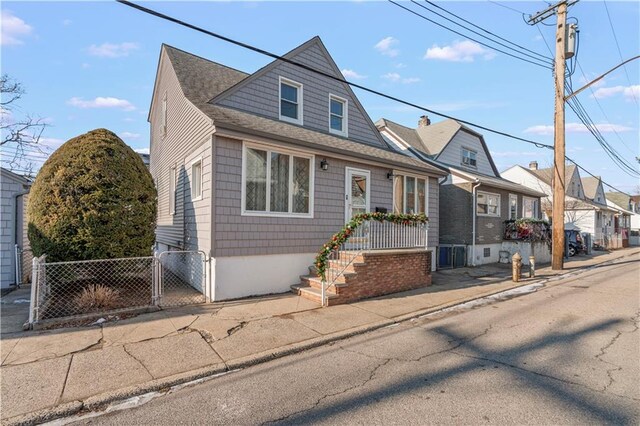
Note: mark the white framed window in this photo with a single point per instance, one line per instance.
(409, 194)
(529, 207)
(173, 190)
(513, 206)
(469, 157)
(338, 108)
(290, 101)
(163, 117)
(488, 204)
(276, 182)
(196, 180)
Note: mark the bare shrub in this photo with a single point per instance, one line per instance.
(97, 297)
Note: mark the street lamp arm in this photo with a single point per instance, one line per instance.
(571, 95)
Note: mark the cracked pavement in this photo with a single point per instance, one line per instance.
(567, 353)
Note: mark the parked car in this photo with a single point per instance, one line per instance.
(576, 245)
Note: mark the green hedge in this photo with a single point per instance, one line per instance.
(92, 199)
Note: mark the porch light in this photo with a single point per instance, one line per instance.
(324, 165)
(390, 174)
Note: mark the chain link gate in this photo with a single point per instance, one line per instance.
(180, 278)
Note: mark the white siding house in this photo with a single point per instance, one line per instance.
(14, 188)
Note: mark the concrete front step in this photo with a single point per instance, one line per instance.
(316, 282)
(313, 294)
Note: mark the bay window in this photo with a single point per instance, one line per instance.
(277, 182)
(409, 195)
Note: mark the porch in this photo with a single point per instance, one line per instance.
(375, 254)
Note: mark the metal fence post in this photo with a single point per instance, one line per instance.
(34, 283)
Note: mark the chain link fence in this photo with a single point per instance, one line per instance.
(72, 290)
(182, 277)
(23, 259)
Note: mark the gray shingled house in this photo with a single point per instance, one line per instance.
(259, 170)
(474, 196)
(15, 189)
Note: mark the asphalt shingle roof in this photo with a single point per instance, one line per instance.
(201, 80)
(590, 186)
(546, 175)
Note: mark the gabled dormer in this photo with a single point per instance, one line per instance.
(449, 142)
(593, 189)
(285, 92)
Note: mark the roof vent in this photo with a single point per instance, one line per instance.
(424, 121)
(533, 165)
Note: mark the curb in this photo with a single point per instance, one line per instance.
(101, 400)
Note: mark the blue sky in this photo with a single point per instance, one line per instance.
(92, 64)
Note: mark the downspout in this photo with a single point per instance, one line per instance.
(473, 222)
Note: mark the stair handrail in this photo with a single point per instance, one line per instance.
(332, 247)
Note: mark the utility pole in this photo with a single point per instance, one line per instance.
(558, 181)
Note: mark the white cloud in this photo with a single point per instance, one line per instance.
(129, 135)
(392, 76)
(397, 78)
(101, 102)
(67, 22)
(598, 83)
(629, 92)
(352, 75)
(142, 150)
(459, 51)
(400, 65)
(547, 130)
(385, 46)
(13, 29)
(85, 65)
(111, 50)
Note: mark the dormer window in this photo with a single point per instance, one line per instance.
(469, 157)
(290, 101)
(337, 115)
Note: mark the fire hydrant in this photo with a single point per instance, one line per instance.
(516, 263)
(532, 266)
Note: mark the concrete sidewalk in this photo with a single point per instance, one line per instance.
(47, 374)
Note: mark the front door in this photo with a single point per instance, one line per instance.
(357, 192)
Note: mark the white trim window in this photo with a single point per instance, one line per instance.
(290, 101)
(196, 180)
(488, 204)
(173, 190)
(469, 157)
(163, 116)
(410, 194)
(338, 115)
(529, 207)
(276, 182)
(513, 206)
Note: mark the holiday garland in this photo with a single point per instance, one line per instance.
(529, 229)
(339, 238)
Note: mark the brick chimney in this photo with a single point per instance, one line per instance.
(424, 121)
(533, 165)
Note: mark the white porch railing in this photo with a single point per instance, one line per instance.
(371, 235)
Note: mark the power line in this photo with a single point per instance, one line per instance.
(519, 12)
(536, 57)
(466, 36)
(333, 77)
(619, 51)
(602, 110)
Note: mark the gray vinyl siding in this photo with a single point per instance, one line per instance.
(197, 213)
(238, 235)
(434, 212)
(187, 130)
(452, 153)
(10, 188)
(261, 96)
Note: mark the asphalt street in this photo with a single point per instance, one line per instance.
(566, 354)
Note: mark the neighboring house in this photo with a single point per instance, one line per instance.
(474, 197)
(259, 170)
(585, 204)
(623, 218)
(12, 224)
(146, 158)
(634, 206)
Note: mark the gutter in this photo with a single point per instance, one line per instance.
(473, 221)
